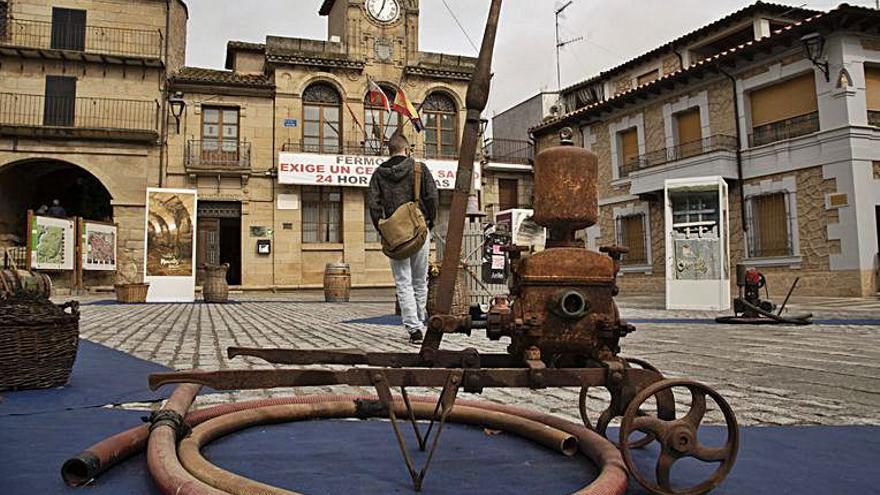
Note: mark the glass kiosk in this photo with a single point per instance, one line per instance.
(697, 244)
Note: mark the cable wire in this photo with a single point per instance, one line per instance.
(463, 30)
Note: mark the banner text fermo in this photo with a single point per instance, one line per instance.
(353, 170)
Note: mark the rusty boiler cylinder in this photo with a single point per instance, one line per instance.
(565, 197)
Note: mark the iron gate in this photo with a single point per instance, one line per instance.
(479, 292)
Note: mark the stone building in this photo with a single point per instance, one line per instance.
(81, 103)
(783, 104)
(96, 105)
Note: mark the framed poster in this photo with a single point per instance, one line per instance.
(170, 252)
(52, 243)
(98, 246)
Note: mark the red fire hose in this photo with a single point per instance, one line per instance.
(168, 428)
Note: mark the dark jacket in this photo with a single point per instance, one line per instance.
(392, 185)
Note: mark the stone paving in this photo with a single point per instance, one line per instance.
(826, 374)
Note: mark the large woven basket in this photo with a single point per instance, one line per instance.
(461, 297)
(38, 342)
(131, 293)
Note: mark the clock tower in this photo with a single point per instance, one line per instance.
(375, 31)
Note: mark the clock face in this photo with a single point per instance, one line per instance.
(383, 10)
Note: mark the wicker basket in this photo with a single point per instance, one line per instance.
(38, 342)
(131, 293)
(461, 297)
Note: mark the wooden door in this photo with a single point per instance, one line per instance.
(508, 194)
(207, 246)
(59, 108)
(68, 29)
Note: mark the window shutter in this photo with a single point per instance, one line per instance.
(629, 145)
(872, 84)
(772, 225)
(633, 228)
(792, 98)
(689, 126)
(508, 194)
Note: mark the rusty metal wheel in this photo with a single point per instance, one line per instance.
(678, 437)
(601, 426)
(616, 409)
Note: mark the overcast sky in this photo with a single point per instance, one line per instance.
(613, 31)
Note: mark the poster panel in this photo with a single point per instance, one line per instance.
(98, 246)
(52, 243)
(354, 170)
(170, 245)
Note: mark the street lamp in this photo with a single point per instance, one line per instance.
(178, 104)
(814, 47)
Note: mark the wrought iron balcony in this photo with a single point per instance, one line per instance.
(80, 117)
(211, 155)
(874, 118)
(22, 36)
(785, 129)
(509, 151)
(711, 144)
(367, 148)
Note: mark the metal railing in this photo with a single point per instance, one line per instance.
(509, 151)
(785, 129)
(79, 113)
(101, 40)
(874, 118)
(209, 154)
(368, 148)
(718, 142)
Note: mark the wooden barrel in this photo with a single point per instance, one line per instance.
(12, 281)
(337, 282)
(215, 289)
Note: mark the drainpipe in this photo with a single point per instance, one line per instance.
(739, 165)
(163, 92)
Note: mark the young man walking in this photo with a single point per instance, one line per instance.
(392, 185)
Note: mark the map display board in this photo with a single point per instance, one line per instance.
(52, 243)
(98, 246)
(170, 227)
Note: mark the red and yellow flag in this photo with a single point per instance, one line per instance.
(405, 107)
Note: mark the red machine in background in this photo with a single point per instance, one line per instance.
(749, 308)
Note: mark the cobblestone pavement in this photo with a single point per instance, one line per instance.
(821, 374)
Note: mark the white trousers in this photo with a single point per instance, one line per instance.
(411, 281)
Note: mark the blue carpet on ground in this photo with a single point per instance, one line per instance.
(362, 457)
(101, 376)
(395, 320)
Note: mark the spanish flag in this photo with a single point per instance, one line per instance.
(403, 106)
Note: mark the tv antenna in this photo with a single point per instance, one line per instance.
(560, 43)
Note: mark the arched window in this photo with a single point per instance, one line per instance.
(441, 126)
(322, 109)
(377, 121)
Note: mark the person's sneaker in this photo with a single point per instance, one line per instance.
(415, 337)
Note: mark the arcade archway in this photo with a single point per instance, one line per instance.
(34, 184)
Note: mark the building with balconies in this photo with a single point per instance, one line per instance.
(82, 100)
(782, 103)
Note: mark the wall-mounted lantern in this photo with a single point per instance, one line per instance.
(814, 47)
(177, 104)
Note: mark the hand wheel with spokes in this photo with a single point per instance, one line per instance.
(678, 438)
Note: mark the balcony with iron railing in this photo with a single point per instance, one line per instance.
(23, 37)
(784, 129)
(84, 117)
(362, 148)
(211, 156)
(509, 151)
(711, 144)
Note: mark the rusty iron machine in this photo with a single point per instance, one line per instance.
(560, 317)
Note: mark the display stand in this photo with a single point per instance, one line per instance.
(697, 244)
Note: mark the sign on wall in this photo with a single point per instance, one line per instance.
(170, 245)
(52, 242)
(98, 246)
(354, 170)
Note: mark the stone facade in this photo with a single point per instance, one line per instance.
(834, 254)
(114, 128)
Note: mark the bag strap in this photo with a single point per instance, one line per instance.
(417, 173)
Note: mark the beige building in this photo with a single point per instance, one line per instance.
(784, 104)
(82, 90)
(96, 105)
